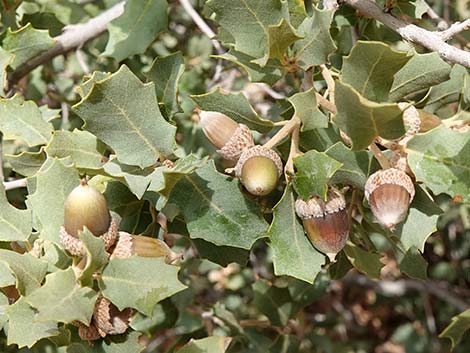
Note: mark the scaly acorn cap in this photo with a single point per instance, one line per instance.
(259, 169)
(389, 193)
(129, 245)
(325, 222)
(75, 246)
(411, 121)
(108, 319)
(86, 207)
(229, 137)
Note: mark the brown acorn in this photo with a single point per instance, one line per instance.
(86, 207)
(389, 193)
(259, 169)
(229, 137)
(325, 222)
(139, 245)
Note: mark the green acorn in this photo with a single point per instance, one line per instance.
(86, 207)
(259, 169)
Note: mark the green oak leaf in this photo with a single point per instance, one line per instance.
(448, 91)
(280, 37)
(5, 59)
(416, 229)
(444, 167)
(26, 43)
(23, 329)
(363, 120)
(293, 255)
(370, 69)
(216, 211)
(414, 265)
(314, 170)
(317, 44)
(28, 270)
(212, 344)
(54, 182)
(133, 31)
(23, 120)
(6, 276)
(364, 261)
(355, 165)
(85, 150)
(165, 73)
(26, 163)
(421, 72)
(274, 302)
(139, 282)
(256, 16)
(123, 113)
(15, 224)
(234, 105)
(135, 178)
(458, 327)
(89, 81)
(62, 299)
(270, 73)
(96, 256)
(306, 108)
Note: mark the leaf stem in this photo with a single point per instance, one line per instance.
(330, 82)
(294, 152)
(383, 161)
(284, 132)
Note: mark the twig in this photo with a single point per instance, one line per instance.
(81, 61)
(285, 131)
(400, 287)
(202, 25)
(439, 21)
(455, 29)
(325, 103)
(411, 33)
(15, 184)
(330, 4)
(330, 82)
(294, 152)
(73, 37)
(383, 161)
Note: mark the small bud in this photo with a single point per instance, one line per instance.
(230, 138)
(389, 193)
(129, 245)
(86, 207)
(411, 121)
(326, 223)
(259, 169)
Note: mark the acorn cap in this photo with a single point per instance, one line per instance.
(75, 246)
(86, 207)
(325, 222)
(230, 138)
(108, 319)
(259, 169)
(389, 176)
(411, 120)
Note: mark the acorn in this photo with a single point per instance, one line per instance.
(259, 169)
(229, 137)
(389, 193)
(325, 222)
(86, 207)
(128, 245)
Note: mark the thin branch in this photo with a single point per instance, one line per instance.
(330, 82)
(400, 287)
(294, 152)
(325, 103)
(202, 25)
(330, 4)
(383, 161)
(439, 21)
(73, 37)
(455, 29)
(15, 184)
(285, 131)
(411, 33)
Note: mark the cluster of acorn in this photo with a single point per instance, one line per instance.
(86, 207)
(326, 222)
